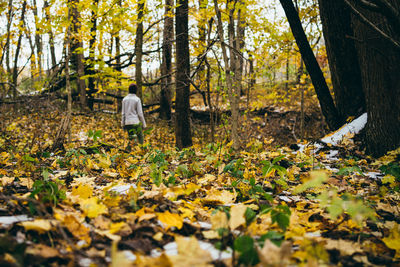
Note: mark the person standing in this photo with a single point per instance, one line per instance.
(132, 115)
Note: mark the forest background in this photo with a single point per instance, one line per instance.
(238, 95)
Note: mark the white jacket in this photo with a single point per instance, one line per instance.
(132, 112)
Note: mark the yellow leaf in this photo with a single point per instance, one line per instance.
(211, 234)
(217, 197)
(170, 219)
(92, 208)
(43, 251)
(190, 253)
(118, 258)
(219, 220)
(116, 227)
(161, 261)
(84, 191)
(186, 213)
(388, 179)
(39, 225)
(237, 216)
(6, 180)
(77, 229)
(393, 240)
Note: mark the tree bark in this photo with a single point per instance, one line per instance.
(379, 63)
(233, 95)
(77, 52)
(17, 51)
(139, 48)
(182, 123)
(38, 39)
(46, 8)
(328, 108)
(166, 65)
(342, 58)
(92, 41)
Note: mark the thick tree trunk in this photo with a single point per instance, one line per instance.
(182, 123)
(139, 48)
(17, 51)
(46, 8)
(166, 65)
(328, 108)
(379, 63)
(38, 39)
(92, 41)
(342, 57)
(233, 94)
(77, 51)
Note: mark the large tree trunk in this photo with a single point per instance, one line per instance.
(92, 41)
(77, 51)
(233, 95)
(46, 8)
(328, 108)
(166, 65)
(17, 51)
(379, 62)
(38, 39)
(182, 123)
(139, 48)
(342, 57)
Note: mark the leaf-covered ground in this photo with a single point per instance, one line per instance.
(97, 204)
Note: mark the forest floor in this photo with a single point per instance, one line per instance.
(276, 202)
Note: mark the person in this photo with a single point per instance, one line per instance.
(132, 115)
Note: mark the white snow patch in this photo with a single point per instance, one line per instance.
(171, 249)
(8, 220)
(374, 175)
(122, 189)
(353, 127)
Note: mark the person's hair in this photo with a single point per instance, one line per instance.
(132, 88)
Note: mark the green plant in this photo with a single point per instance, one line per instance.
(391, 169)
(95, 134)
(349, 170)
(270, 166)
(47, 192)
(235, 168)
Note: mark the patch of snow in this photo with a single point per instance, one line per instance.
(374, 175)
(353, 127)
(332, 155)
(122, 189)
(129, 255)
(313, 234)
(85, 262)
(171, 249)
(8, 220)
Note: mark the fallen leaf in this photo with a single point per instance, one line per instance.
(237, 216)
(92, 208)
(38, 225)
(170, 220)
(190, 254)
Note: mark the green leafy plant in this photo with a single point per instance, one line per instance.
(95, 134)
(392, 168)
(235, 168)
(47, 192)
(270, 166)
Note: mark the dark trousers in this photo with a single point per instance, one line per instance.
(135, 130)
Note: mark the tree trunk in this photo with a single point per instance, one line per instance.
(379, 63)
(240, 43)
(233, 95)
(166, 65)
(92, 41)
(77, 52)
(182, 123)
(46, 8)
(17, 51)
(38, 39)
(342, 58)
(139, 48)
(328, 108)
